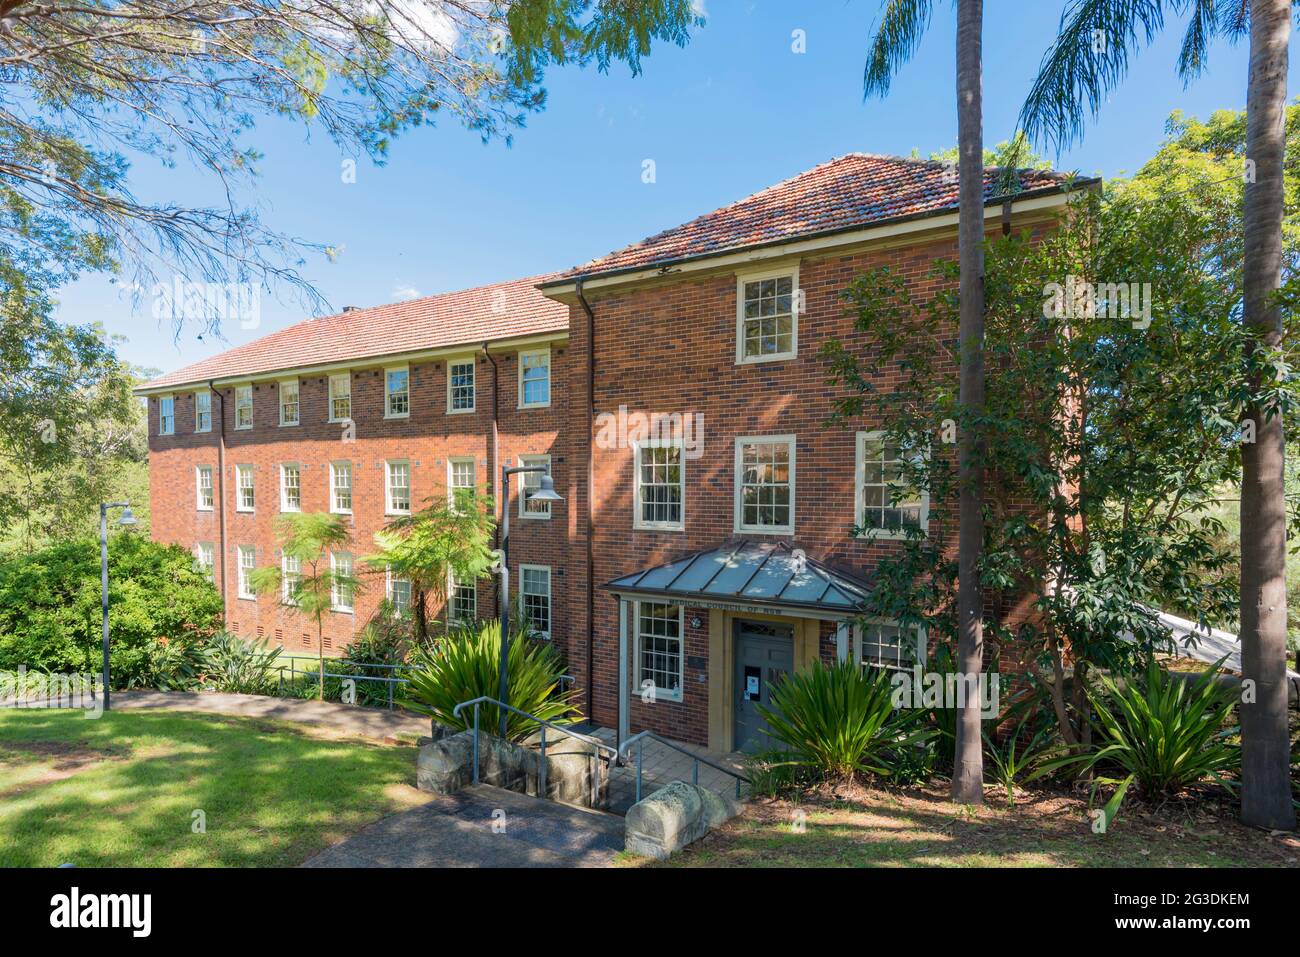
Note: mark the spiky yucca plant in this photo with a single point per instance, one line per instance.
(839, 720)
(463, 666)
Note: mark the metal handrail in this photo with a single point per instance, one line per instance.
(389, 683)
(543, 724)
(639, 740)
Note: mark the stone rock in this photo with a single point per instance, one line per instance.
(445, 766)
(672, 817)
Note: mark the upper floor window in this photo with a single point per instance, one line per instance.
(659, 649)
(341, 584)
(767, 320)
(341, 487)
(460, 385)
(887, 505)
(535, 589)
(530, 482)
(765, 484)
(397, 393)
(660, 486)
(203, 411)
(340, 397)
(166, 414)
(397, 497)
(289, 406)
(203, 482)
(461, 480)
(247, 562)
(245, 493)
(243, 406)
(535, 379)
(290, 488)
(205, 559)
(886, 644)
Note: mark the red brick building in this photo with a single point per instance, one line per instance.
(705, 542)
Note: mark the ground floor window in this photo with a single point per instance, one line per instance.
(399, 595)
(247, 562)
(659, 648)
(535, 586)
(290, 576)
(205, 559)
(888, 645)
(341, 585)
(464, 602)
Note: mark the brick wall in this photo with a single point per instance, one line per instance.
(427, 438)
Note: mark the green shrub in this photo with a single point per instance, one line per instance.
(464, 665)
(50, 617)
(385, 639)
(839, 721)
(1160, 732)
(231, 664)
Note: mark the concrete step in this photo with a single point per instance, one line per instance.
(483, 826)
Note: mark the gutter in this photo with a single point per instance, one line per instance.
(221, 493)
(591, 425)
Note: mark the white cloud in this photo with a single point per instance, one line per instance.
(402, 293)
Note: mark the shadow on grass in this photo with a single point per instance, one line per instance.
(195, 789)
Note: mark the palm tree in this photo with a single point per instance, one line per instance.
(1087, 60)
(310, 581)
(901, 26)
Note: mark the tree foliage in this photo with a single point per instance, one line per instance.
(50, 614)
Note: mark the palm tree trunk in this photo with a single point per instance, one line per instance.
(1265, 771)
(968, 769)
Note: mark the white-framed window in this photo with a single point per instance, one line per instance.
(765, 484)
(886, 506)
(397, 393)
(399, 594)
(245, 491)
(535, 379)
(535, 587)
(290, 408)
(203, 487)
(887, 644)
(290, 576)
(341, 587)
(463, 604)
(166, 414)
(660, 485)
(247, 562)
(341, 488)
(243, 406)
(205, 559)
(460, 385)
(530, 482)
(767, 316)
(290, 488)
(340, 397)
(462, 480)
(397, 488)
(659, 649)
(203, 411)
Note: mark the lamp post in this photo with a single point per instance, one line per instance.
(544, 493)
(126, 519)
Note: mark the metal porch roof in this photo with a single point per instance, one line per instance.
(752, 573)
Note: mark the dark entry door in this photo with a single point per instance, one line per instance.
(764, 655)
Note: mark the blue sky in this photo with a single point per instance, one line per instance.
(733, 112)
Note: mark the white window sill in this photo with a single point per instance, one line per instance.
(204, 508)
(289, 425)
(341, 511)
(247, 597)
(657, 528)
(766, 530)
(397, 415)
(881, 535)
(245, 511)
(535, 516)
(535, 405)
(461, 411)
(758, 360)
(243, 428)
(342, 611)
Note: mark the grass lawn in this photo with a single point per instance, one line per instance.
(919, 827)
(122, 790)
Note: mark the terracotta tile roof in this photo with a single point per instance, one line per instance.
(852, 191)
(469, 317)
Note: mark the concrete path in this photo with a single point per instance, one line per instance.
(482, 826)
(661, 765)
(375, 723)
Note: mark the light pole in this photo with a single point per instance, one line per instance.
(126, 518)
(544, 493)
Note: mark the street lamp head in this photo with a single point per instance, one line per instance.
(127, 517)
(545, 491)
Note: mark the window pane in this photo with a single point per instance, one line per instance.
(397, 391)
(659, 647)
(533, 481)
(765, 499)
(461, 385)
(399, 487)
(535, 586)
(535, 373)
(767, 326)
(660, 485)
(341, 485)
